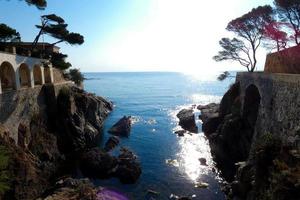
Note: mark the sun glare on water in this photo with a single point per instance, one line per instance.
(192, 148)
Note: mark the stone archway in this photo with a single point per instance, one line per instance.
(24, 75)
(47, 74)
(37, 75)
(7, 76)
(251, 105)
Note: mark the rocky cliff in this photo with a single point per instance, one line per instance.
(41, 131)
(254, 136)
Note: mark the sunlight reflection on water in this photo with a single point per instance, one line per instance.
(193, 146)
(205, 99)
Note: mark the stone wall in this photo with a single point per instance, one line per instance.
(279, 105)
(58, 76)
(17, 107)
(285, 61)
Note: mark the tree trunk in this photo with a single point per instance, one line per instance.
(57, 42)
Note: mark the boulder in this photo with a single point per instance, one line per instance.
(180, 133)
(97, 163)
(128, 170)
(203, 161)
(208, 111)
(111, 143)
(187, 120)
(122, 127)
(210, 117)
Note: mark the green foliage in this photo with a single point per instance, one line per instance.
(223, 76)
(5, 179)
(249, 30)
(7, 33)
(40, 4)
(76, 76)
(56, 27)
(54, 18)
(289, 11)
(58, 60)
(74, 38)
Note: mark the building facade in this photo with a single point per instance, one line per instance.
(17, 72)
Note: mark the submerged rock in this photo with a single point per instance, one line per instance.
(111, 143)
(122, 127)
(187, 120)
(129, 169)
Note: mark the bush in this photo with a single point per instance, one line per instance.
(76, 76)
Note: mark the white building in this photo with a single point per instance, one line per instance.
(18, 72)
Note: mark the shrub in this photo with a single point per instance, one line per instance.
(76, 76)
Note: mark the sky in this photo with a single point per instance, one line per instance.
(138, 35)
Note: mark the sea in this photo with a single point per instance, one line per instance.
(170, 164)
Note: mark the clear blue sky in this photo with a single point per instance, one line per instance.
(137, 35)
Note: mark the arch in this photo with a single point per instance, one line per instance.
(7, 76)
(251, 105)
(47, 74)
(24, 75)
(37, 75)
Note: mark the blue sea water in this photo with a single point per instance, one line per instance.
(169, 163)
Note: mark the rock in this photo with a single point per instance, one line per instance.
(111, 143)
(175, 197)
(97, 163)
(187, 120)
(128, 169)
(180, 133)
(210, 118)
(152, 192)
(80, 116)
(209, 106)
(122, 127)
(203, 161)
(173, 162)
(75, 189)
(48, 127)
(201, 185)
(211, 125)
(229, 99)
(208, 111)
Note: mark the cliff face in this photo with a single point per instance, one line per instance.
(256, 142)
(39, 129)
